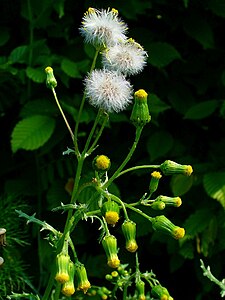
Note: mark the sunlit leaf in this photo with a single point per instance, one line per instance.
(70, 68)
(36, 74)
(214, 184)
(32, 133)
(181, 184)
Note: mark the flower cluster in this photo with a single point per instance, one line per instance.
(108, 87)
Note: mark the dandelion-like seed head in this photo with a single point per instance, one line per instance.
(127, 57)
(108, 90)
(102, 27)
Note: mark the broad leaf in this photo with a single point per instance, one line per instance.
(70, 68)
(19, 54)
(199, 29)
(36, 74)
(181, 184)
(162, 54)
(214, 184)
(201, 110)
(31, 133)
(197, 221)
(159, 144)
(217, 7)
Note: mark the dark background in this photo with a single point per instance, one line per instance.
(185, 80)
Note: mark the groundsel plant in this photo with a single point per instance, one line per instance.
(109, 91)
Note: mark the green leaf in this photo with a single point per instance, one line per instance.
(185, 3)
(197, 221)
(39, 107)
(31, 133)
(70, 68)
(156, 105)
(181, 184)
(4, 35)
(214, 184)
(201, 110)
(159, 144)
(19, 54)
(162, 54)
(36, 74)
(199, 29)
(217, 7)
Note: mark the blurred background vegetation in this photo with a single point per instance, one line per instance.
(185, 79)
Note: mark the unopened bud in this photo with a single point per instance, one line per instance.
(140, 113)
(51, 82)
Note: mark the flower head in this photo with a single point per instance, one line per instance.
(102, 27)
(108, 90)
(101, 163)
(170, 167)
(127, 57)
(109, 244)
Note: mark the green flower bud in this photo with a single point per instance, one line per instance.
(140, 286)
(62, 270)
(164, 225)
(101, 163)
(51, 82)
(170, 201)
(154, 182)
(109, 244)
(158, 205)
(110, 210)
(140, 113)
(81, 278)
(170, 167)
(68, 288)
(160, 292)
(129, 231)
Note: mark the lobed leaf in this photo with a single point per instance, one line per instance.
(214, 184)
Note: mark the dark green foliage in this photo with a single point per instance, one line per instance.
(185, 80)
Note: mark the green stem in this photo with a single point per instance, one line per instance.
(92, 131)
(126, 160)
(57, 291)
(98, 135)
(138, 211)
(82, 106)
(62, 113)
(137, 168)
(49, 286)
(31, 39)
(115, 198)
(77, 178)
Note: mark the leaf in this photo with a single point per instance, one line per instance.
(19, 54)
(4, 35)
(197, 221)
(36, 74)
(156, 105)
(199, 29)
(70, 68)
(217, 7)
(39, 107)
(214, 184)
(201, 110)
(181, 184)
(162, 54)
(31, 133)
(159, 144)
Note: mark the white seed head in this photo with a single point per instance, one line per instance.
(102, 27)
(108, 90)
(127, 57)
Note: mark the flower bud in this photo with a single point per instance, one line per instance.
(62, 270)
(140, 286)
(170, 167)
(110, 210)
(51, 82)
(164, 225)
(129, 231)
(81, 277)
(160, 292)
(68, 288)
(158, 205)
(109, 244)
(154, 182)
(170, 201)
(140, 113)
(101, 163)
